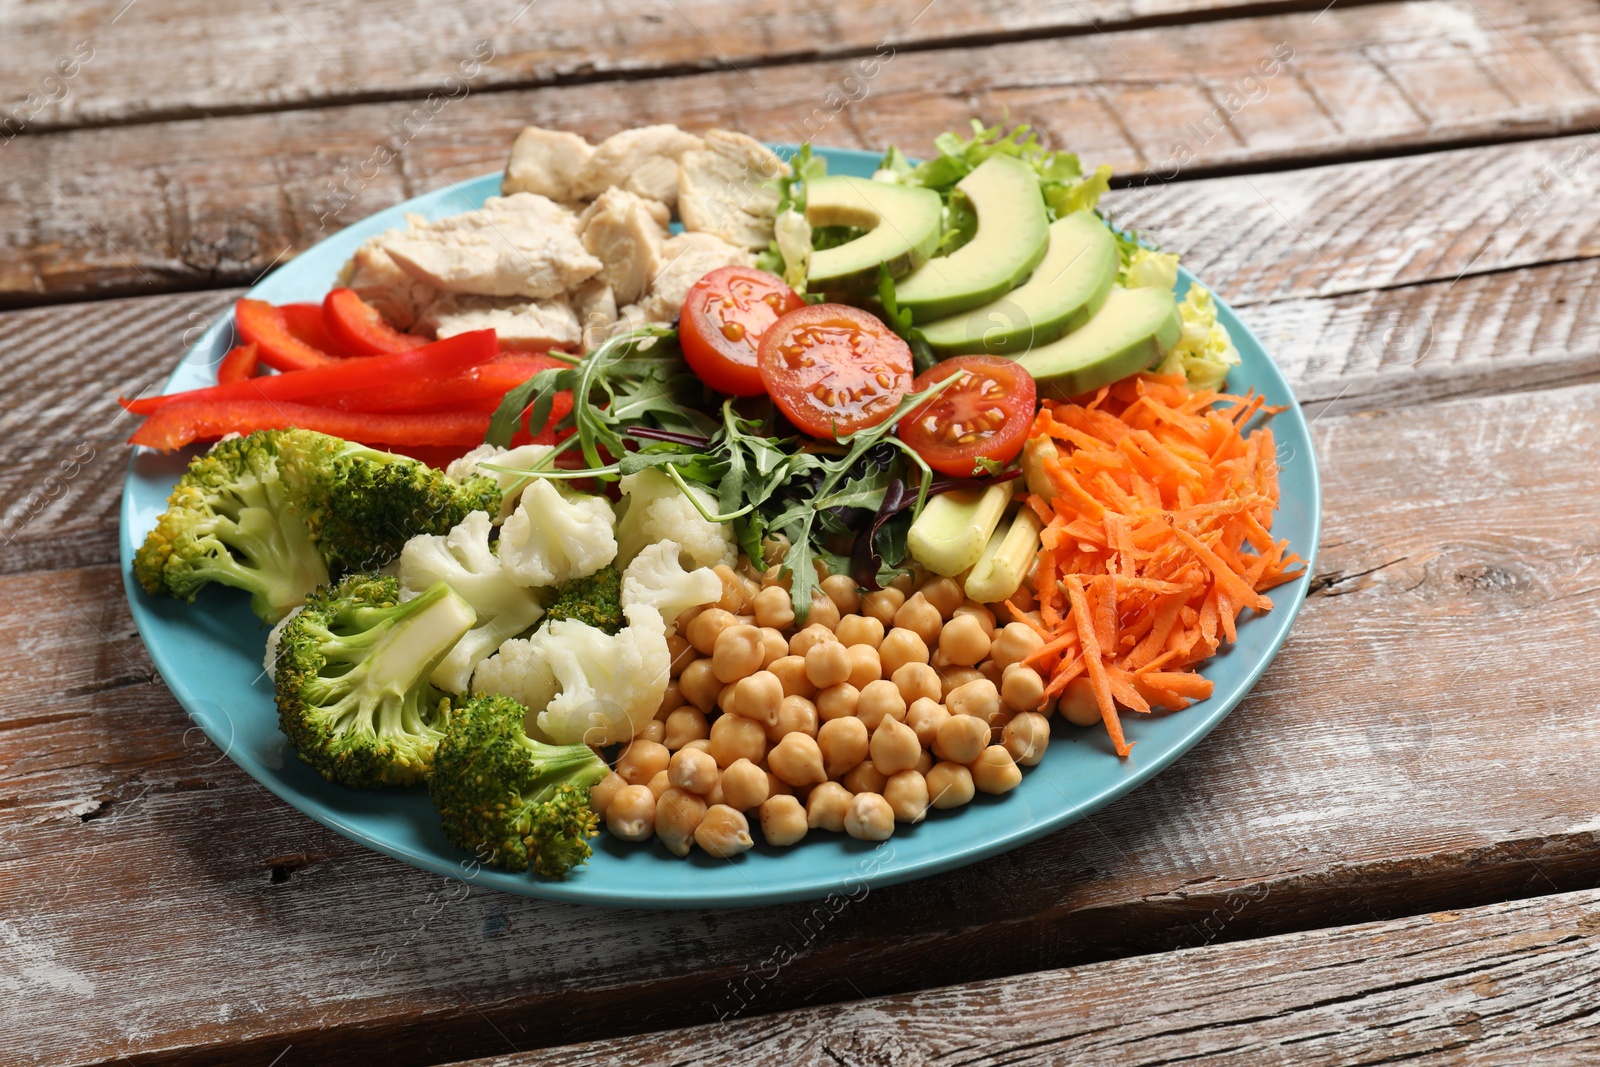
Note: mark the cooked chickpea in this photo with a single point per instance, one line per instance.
(702, 743)
(1021, 688)
(954, 678)
(925, 716)
(824, 612)
(907, 581)
(900, 647)
(796, 715)
(774, 608)
(921, 618)
(808, 638)
(843, 591)
(864, 665)
(632, 814)
(685, 617)
(659, 784)
(791, 673)
(774, 646)
(671, 699)
(828, 664)
(601, 793)
(907, 794)
(991, 670)
(777, 787)
(715, 796)
(949, 785)
(724, 832)
(1078, 704)
(737, 590)
(838, 701)
(678, 812)
(961, 738)
(693, 770)
(924, 763)
(797, 760)
(945, 594)
(869, 818)
(783, 821)
(685, 725)
(864, 778)
(699, 685)
(882, 604)
(879, 699)
(843, 744)
(826, 807)
(962, 641)
(707, 627)
(640, 760)
(994, 771)
(1026, 737)
(1014, 643)
(738, 653)
(978, 697)
(859, 630)
(744, 785)
(916, 681)
(980, 612)
(735, 737)
(725, 700)
(894, 746)
(758, 696)
(654, 730)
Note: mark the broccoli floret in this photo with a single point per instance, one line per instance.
(596, 600)
(363, 505)
(229, 521)
(352, 679)
(513, 801)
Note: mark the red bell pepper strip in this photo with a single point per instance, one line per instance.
(238, 365)
(479, 389)
(180, 424)
(306, 325)
(268, 328)
(325, 384)
(358, 328)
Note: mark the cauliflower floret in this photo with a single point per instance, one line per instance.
(463, 560)
(522, 458)
(580, 684)
(655, 509)
(554, 537)
(656, 577)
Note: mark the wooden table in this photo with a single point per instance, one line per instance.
(1388, 852)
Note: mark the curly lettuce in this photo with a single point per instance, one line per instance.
(1204, 353)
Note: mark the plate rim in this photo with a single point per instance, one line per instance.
(805, 887)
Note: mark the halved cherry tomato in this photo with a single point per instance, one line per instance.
(834, 369)
(724, 316)
(358, 328)
(983, 417)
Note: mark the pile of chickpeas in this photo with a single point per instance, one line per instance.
(883, 705)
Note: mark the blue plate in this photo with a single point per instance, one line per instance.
(210, 653)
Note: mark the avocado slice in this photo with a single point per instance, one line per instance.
(1012, 235)
(1131, 332)
(902, 224)
(1065, 290)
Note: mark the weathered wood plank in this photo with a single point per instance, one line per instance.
(316, 52)
(1510, 982)
(181, 205)
(1390, 762)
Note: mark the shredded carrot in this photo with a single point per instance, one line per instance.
(1158, 536)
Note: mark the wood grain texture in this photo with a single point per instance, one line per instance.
(183, 205)
(304, 53)
(1508, 983)
(1406, 752)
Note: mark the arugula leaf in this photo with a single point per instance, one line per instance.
(898, 319)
